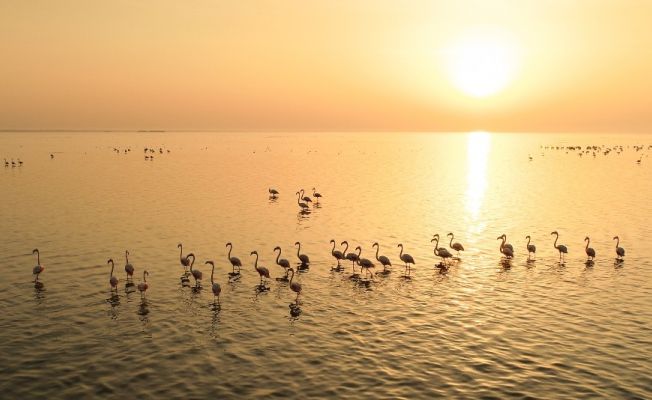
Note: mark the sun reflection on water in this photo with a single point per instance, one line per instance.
(478, 147)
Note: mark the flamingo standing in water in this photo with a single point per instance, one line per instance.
(365, 264)
(143, 286)
(235, 261)
(590, 253)
(382, 259)
(129, 269)
(620, 252)
(407, 259)
(305, 260)
(197, 274)
(215, 287)
(336, 253)
(455, 246)
(304, 197)
(113, 280)
(273, 193)
(262, 271)
(531, 249)
(353, 257)
(506, 249)
(185, 261)
(39, 268)
(561, 248)
(304, 206)
(441, 251)
(316, 195)
(285, 264)
(295, 286)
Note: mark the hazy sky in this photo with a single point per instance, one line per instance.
(324, 65)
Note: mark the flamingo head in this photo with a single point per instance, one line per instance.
(400, 245)
(35, 251)
(297, 244)
(554, 233)
(229, 244)
(277, 248)
(358, 248)
(615, 238)
(527, 237)
(110, 261)
(344, 243)
(586, 239)
(253, 252)
(450, 234)
(179, 245)
(436, 235)
(210, 262)
(375, 244)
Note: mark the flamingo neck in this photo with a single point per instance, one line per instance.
(256, 261)
(346, 247)
(359, 252)
(229, 255)
(278, 255)
(451, 242)
(587, 243)
(502, 244)
(212, 272)
(528, 241)
(617, 243)
(400, 255)
(333, 250)
(144, 276)
(181, 252)
(292, 277)
(38, 257)
(298, 249)
(377, 250)
(111, 274)
(555, 244)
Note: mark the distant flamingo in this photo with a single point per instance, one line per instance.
(365, 264)
(407, 259)
(561, 248)
(336, 253)
(619, 250)
(273, 193)
(295, 286)
(197, 274)
(285, 264)
(38, 268)
(235, 261)
(382, 259)
(129, 269)
(113, 280)
(185, 261)
(531, 249)
(589, 251)
(304, 206)
(506, 245)
(441, 251)
(215, 287)
(142, 286)
(304, 197)
(262, 271)
(353, 257)
(506, 250)
(455, 246)
(316, 195)
(305, 260)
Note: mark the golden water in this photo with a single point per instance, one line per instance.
(537, 329)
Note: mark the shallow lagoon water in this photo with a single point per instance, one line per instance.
(532, 329)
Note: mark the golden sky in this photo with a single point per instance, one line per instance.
(583, 65)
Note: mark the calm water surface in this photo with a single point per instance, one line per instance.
(532, 329)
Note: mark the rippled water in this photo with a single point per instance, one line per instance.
(483, 329)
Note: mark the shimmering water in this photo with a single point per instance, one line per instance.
(483, 329)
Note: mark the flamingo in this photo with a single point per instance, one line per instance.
(353, 257)
(589, 251)
(561, 248)
(316, 195)
(129, 269)
(365, 264)
(441, 251)
(305, 198)
(142, 286)
(185, 261)
(235, 261)
(619, 250)
(531, 249)
(336, 253)
(455, 246)
(295, 286)
(39, 268)
(305, 260)
(285, 264)
(407, 259)
(215, 287)
(505, 249)
(382, 259)
(273, 193)
(304, 206)
(262, 271)
(113, 280)
(197, 274)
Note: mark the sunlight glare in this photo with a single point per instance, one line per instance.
(478, 147)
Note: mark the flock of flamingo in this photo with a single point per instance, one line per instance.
(187, 263)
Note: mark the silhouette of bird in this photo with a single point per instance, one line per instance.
(262, 271)
(129, 269)
(305, 260)
(382, 259)
(113, 280)
(561, 248)
(455, 246)
(36, 271)
(589, 251)
(215, 287)
(273, 192)
(407, 259)
(620, 252)
(295, 286)
(505, 249)
(282, 262)
(143, 286)
(235, 261)
(336, 253)
(531, 249)
(316, 195)
(197, 274)
(303, 206)
(441, 251)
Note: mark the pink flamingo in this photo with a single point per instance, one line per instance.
(142, 286)
(365, 264)
(336, 253)
(235, 261)
(561, 248)
(531, 249)
(441, 252)
(197, 274)
(305, 260)
(382, 259)
(295, 286)
(185, 261)
(620, 252)
(590, 253)
(455, 246)
(262, 271)
(113, 280)
(38, 268)
(506, 249)
(282, 262)
(407, 259)
(215, 287)
(129, 269)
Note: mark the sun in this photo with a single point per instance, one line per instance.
(482, 63)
